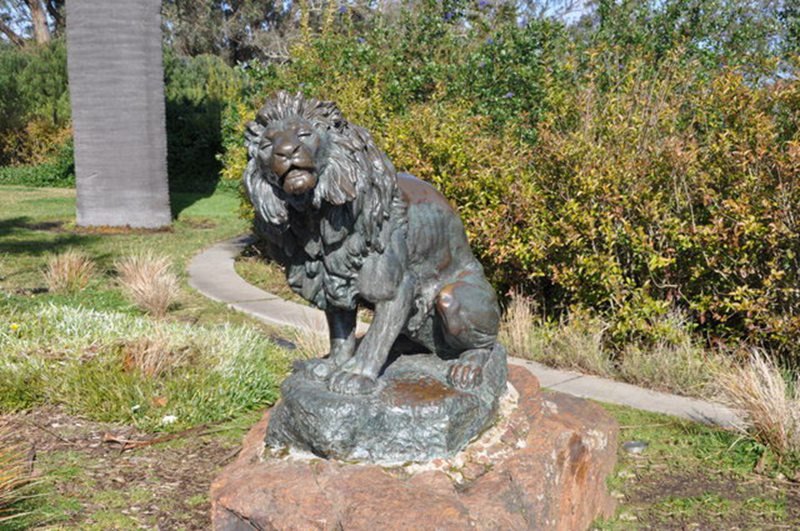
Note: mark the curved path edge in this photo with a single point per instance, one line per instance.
(212, 273)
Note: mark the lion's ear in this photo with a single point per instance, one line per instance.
(252, 135)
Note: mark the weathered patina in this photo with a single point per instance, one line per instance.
(351, 231)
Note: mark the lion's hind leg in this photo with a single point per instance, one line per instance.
(469, 312)
(470, 321)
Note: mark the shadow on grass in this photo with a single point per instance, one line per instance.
(180, 201)
(17, 236)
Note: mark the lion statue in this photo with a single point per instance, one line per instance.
(350, 231)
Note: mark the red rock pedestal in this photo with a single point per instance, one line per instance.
(543, 466)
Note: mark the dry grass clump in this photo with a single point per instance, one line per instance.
(516, 327)
(574, 343)
(768, 403)
(676, 362)
(577, 343)
(684, 368)
(69, 272)
(310, 344)
(154, 355)
(14, 475)
(149, 281)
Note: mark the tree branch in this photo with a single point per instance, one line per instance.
(41, 31)
(55, 10)
(12, 36)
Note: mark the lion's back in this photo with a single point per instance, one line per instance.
(436, 235)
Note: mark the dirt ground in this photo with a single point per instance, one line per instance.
(656, 497)
(91, 482)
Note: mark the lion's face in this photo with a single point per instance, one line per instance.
(302, 154)
(290, 153)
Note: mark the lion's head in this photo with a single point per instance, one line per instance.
(302, 153)
(322, 192)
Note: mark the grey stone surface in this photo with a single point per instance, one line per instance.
(605, 390)
(415, 415)
(211, 272)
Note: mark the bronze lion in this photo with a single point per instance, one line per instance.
(351, 231)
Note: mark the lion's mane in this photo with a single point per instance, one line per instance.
(322, 246)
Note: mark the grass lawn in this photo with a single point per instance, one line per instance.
(37, 222)
(69, 375)
(692, 476)
(71, 394)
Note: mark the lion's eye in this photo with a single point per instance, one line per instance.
(303, 134)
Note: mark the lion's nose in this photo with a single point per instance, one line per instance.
(283, 151)
(286, 145)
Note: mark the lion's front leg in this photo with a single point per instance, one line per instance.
(342, 332)
(359, 374)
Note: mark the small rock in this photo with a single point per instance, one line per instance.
(283, 342)
(628, 517)
(473, 470)
(634, 447)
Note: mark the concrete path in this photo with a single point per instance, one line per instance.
(212, 273)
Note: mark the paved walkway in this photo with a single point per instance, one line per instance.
(212, 273)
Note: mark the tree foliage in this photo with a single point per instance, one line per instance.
(639, 162)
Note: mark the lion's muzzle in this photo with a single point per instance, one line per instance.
(293, 163)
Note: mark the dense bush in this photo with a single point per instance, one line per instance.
(641, 162)
(34, 104)
(678, 188)
(35, 132)
(58, 171)
(196, 90)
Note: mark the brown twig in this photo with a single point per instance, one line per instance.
(129, 444)
(47, 431)
(229, 456)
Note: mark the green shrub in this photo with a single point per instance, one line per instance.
(58, 171)
(196, 89)
(34, 103)
(628, 168)
(35, 134)
(672, 190)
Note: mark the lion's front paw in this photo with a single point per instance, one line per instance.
(318, 369)
(465, 375)
(350, 383)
